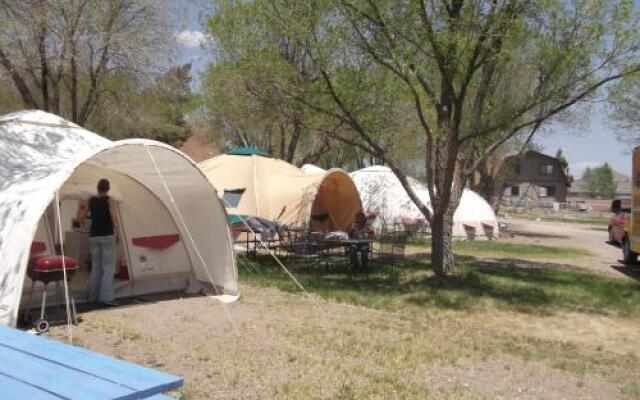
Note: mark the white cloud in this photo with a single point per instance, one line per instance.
(191, 38)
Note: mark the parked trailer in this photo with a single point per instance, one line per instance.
(631, 239)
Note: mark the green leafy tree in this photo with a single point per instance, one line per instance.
(590, 181)
(605, 181)
(255, 64)
(153, 110)
(599, 181)
(625, 111)
(452, 80)
(562, 159)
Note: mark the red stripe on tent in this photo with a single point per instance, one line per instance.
(159, 242)
(37, 248)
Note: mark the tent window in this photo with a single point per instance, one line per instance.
(231, 197)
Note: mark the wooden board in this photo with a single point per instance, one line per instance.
(32, 367)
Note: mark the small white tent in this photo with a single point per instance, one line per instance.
(174, 231)
(382, 192)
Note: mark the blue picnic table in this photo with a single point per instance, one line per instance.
(36, 368)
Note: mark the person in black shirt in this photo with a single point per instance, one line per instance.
(103, 236)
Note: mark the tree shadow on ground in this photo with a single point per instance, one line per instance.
(541, 235)
(632, 271)
(516, 285)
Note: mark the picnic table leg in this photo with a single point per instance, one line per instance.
(353, 252)
(365, 259)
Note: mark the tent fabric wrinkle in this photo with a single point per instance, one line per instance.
(41, 154)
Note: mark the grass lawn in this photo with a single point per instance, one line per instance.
(553, 317)
(526, 287)
(501, 249)
(499, 329)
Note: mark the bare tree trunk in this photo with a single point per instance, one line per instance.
(283, 139)
(295, 136)
(23, 89)
(44, 68)
(442, 243)
(74, 85)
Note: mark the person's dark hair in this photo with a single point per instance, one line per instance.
(103, 186)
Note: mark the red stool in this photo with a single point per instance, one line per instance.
(47, 269)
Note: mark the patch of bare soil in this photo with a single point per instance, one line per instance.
(272, 344)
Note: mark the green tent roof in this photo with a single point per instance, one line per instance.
(233, 219)
(247, 151)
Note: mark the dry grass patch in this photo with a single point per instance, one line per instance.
(494, 331)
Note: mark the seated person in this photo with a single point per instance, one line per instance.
(359, 229)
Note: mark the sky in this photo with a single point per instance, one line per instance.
(591, 144)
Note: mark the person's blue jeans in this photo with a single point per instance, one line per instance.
(102, 268)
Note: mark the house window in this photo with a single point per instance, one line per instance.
(546, 169)
(515, 190)
(516, 169)
(543, 191)
(231, 197)
(551, 191)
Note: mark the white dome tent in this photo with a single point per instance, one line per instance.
(382, 192)
(174, 235)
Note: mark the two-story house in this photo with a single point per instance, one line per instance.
(536, 176)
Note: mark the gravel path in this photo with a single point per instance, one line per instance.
(606, 258)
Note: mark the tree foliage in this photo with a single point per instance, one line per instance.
(562, 159)
(625, 111)
(59, 55)
(154, 110)
(255, 64)
(450, 80)
(599, 181)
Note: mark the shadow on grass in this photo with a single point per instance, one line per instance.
(632, 271)
(523, 233)
(522, 286)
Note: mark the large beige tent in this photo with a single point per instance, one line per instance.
(261, 186)
(174, 233)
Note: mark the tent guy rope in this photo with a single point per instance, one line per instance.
(190, 236)
(64, 269)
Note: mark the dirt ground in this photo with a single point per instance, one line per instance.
(272, 344)
(277, 345)
(605, 258)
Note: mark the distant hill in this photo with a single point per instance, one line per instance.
(199, 147)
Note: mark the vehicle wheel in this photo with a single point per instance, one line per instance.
(629, 256)
(42, 326)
